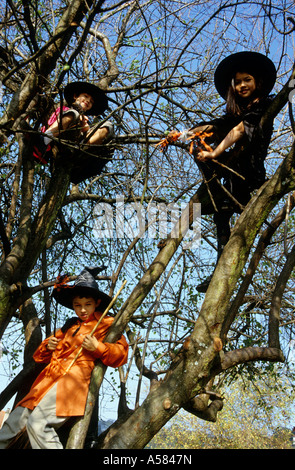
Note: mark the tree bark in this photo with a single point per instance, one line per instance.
(274, 314)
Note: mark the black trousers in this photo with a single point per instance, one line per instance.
(228, 193)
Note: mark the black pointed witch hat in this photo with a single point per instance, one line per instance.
(84, 285)
(254, 63)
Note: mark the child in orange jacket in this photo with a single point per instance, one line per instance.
(60, 391)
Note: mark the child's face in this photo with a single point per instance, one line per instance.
(245, 84)
(84, 100)
(85, 306)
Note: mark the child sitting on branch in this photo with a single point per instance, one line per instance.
(70, 124)
(60, 391)
(244, 80)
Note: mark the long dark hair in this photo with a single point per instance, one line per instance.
(236, 105)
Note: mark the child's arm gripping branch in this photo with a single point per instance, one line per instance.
(232, 137)
(90, 343)
(111, 354)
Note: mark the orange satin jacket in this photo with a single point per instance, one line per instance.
(72, 386)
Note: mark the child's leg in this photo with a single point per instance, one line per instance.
(98, 137)
(43, 422)
(16, 421)
(222, 221)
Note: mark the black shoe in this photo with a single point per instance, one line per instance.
(203, 286)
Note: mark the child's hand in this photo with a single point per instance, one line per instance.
(204, 156)
(52, 343)
(90, 343)
(84, 123)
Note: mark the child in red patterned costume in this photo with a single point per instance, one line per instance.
(71, 123)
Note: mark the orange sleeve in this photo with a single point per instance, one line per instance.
(42, 354)
(112, 354)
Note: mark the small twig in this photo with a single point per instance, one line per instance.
(288, 206)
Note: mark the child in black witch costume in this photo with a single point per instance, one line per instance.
(71, 123)
(60, 390)
(244, 80)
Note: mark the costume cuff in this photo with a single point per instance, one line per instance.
(100, 350)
